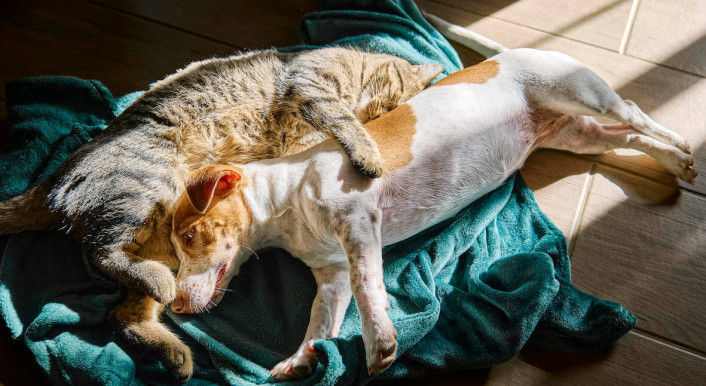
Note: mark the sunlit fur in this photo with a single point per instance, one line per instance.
(116, 193)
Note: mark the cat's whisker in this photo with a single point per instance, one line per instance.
(253, 252)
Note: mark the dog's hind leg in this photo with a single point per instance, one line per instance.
(563, 84)
(584, 135)
(627, 111)
(327, 312)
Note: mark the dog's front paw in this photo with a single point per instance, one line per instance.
(368, 160)
(155, 279)
(299, 365)
(380, 345)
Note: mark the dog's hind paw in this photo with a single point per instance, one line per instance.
(299, 365)
(682, 165)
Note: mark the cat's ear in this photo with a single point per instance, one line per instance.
(211, 181)
(426, 72)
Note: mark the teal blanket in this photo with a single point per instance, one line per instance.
(468, 293)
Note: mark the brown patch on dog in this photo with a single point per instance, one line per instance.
(394, 134)
(227, 212)
(478, 74)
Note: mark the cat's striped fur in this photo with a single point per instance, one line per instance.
(116, 193)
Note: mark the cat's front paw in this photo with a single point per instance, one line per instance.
(155, 279)
(176, 358)
(369, 162)
(155, 340)
(299, 365)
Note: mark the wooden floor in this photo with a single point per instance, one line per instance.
(636, 235)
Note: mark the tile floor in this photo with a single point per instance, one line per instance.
(636, 235)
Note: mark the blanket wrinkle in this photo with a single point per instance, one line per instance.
(469, 292)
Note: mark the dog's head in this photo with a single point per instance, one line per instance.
(208, 228)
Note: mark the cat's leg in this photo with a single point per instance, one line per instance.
(329, 113)
(585, 135)
(360, 236)
(142, 256)
(120, 261)
(136, 320)
(332, 298)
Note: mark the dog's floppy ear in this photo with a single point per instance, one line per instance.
(209, 181)
(426, 72)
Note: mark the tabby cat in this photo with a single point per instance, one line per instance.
(116, 193)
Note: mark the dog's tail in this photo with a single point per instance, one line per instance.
(466, 37)
(28, 211)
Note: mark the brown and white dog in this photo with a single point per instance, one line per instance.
(443, 149)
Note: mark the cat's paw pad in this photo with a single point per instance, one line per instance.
(299, 365)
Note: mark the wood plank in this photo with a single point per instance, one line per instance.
(671, 32)
(77, 38)
(597, 22)
(648, 255)
(672, 97)
(557, 180)
(633, 360)
(4, 126)
(250, 24)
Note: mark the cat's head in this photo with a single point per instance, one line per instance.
(389, 82)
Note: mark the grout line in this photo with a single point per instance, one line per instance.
(564, 37)
(666, 66)
(517, 24)
(628, 27)
(633, 172)
(578, 217)
(668, 343)
(163, 24)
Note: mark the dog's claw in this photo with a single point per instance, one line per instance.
(382, 349)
